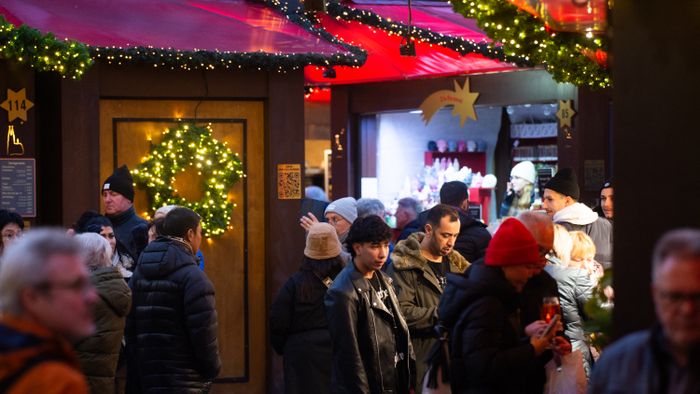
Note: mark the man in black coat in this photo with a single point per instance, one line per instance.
(118, 199)
(171, 341)
(372, 350)
(473, 237)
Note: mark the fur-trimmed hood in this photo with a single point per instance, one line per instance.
(407, 256)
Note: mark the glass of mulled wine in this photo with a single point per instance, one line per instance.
(550, 307)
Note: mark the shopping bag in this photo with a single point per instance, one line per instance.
(441, 387)
(569, 378)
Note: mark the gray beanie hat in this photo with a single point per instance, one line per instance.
(345, 207)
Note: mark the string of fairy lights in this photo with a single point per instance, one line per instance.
(519, 38)
(71, 58)
(43, 52)
(460, 45)
(569, 57)
(192, 146)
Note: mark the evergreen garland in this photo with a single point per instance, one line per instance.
(566, 56)
(458, 44)
(43, 52)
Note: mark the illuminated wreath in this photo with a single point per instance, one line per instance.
(192, 146)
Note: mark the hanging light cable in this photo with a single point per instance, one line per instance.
(408, 46)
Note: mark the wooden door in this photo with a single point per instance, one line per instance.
(234, 261)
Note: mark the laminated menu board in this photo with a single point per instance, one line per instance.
(18, 186)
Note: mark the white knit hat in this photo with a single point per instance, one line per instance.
(525, 170)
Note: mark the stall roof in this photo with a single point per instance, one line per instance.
(384, 62)
(231, 26)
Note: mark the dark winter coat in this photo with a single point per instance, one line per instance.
(366, 345)
(641, 363)
(99, 353)
(490, 353)
(418, 292)
(529, 307)
(471, 242)
(131, 231)
(575, 289)
(299, 331)
(171, 332)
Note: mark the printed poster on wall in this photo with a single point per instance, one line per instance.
(289, 181)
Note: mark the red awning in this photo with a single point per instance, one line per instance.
(384, 63)
(232, 26)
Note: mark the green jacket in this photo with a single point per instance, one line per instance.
(99, 353)
(417, 287)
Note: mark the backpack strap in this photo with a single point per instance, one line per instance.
(9, 381)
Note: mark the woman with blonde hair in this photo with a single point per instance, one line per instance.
(562, 247)
(575, 289)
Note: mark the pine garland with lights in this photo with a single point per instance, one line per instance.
(43, 52)
(523, 35)
(192, 146)
(458, 44)
(204, 59)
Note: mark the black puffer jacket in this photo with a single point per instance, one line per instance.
(99, 352)
(471, 242)
(365, 342)
(171, 331)
(489, 352)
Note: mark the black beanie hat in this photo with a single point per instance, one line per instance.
(121, 182)
(564, 182)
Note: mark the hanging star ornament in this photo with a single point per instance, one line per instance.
(461, 100)
(565, 113)
(16, 105)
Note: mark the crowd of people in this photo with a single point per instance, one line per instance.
(440, 305)
(437, 305)
(113, 295)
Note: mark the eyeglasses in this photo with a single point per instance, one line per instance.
(677, 298)
(333, 220)
(9, 236)
(80, 285)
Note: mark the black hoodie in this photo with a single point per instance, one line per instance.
(489, 352)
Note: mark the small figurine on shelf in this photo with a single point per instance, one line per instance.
(461, 146)
(432, 146)
(442, 146)
(452, 145)
(521, 189)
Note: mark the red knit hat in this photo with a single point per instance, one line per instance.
(512, 245)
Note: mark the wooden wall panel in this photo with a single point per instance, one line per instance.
(234, 261)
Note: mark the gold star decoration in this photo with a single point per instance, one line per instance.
(16, 105)
(565, 113)
(461, 100)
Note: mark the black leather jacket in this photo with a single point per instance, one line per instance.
(365, 343)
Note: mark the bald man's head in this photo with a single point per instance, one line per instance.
(542, 229)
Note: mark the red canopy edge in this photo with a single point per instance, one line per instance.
(384, 62)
